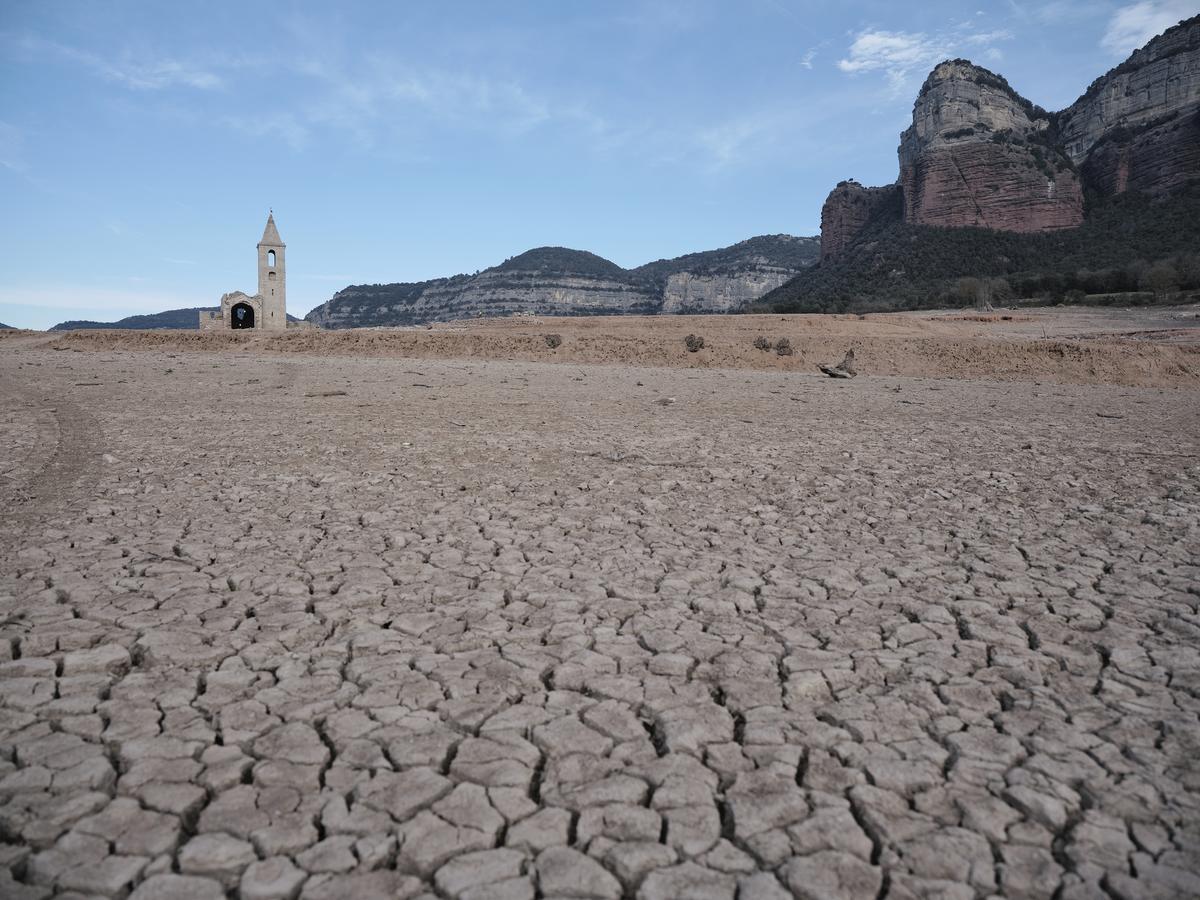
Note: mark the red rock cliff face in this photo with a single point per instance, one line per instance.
(990, 186)
(977, 154)
(847, 210)
(1137, 128)
(1156, 161)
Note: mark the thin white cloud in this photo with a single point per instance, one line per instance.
(792, 131)
(376, 101)
(895, 52)
(1057, 12)
(899, 55)
(1132, 26)
(656, 17)
(138, 73)
(276, 126)
(12, 147)
(462, 96)
(986, 38)
(807, 59)
(726, 142)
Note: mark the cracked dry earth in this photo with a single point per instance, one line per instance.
(511, 630)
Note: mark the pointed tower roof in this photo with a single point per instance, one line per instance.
(271, 233)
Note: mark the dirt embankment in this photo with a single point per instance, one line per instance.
(1068, 346)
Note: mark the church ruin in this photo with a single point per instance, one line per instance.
(266, 310)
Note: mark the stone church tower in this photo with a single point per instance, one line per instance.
(266, 310)
(272, 276)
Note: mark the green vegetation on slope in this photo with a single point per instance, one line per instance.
(171, 318)
(782, 250)
(562, 261)
(897, 266)
(374, 305)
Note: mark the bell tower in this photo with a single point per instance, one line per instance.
(272, 277)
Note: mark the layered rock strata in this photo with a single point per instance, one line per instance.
(848, 209)
(990, 186)
(1157, 160)
(1138, 126)
(558, 281)
(688, 292)
(1159, 79)
(490, 293)
(977, 154)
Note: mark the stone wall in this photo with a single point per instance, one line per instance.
(222, 319)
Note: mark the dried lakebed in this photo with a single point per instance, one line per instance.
(512, 630)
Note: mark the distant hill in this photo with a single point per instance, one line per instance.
(171, 318)
(780, 250)
(4, 327)
(562, 281)
(561, 261)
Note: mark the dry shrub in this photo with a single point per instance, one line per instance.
(553, 340)
(783, 347)
(762, 343)
(693, 343)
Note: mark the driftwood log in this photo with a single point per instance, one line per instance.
(844, 369)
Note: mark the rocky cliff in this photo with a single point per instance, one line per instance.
(1109, 258)
(559, 281)
(979, 154)
(849, 208)
(729, 279)
(1138, 126)
(693, 293)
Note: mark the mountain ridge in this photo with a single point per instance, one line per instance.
(991, 174)
(563, 281)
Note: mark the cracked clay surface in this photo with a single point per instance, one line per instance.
(489, 629)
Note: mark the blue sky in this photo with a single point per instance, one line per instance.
(141, 144)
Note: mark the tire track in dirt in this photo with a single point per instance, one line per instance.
(71, 469)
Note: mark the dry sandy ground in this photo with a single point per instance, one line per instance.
(1147, 347)
(285, 624)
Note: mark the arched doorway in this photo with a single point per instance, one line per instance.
(241, 315)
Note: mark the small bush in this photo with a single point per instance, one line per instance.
(783, 347)
(553, 340)
(762, 343)
(693, 343)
